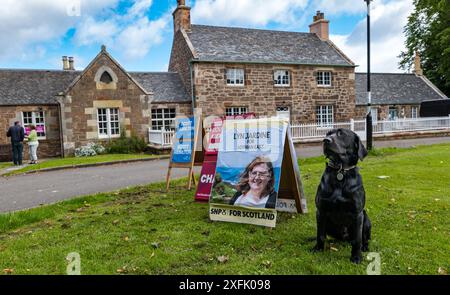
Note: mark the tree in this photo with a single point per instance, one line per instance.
(428, 32)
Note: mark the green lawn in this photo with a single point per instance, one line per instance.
(73, 161)
(144, 230)
(4, 165)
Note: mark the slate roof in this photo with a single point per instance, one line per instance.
(38, 87)
(389, 88)
(227, 44)
(30, 87)
(166, 86)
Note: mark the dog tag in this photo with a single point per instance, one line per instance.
(340, 176)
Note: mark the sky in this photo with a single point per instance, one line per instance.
(138, 33)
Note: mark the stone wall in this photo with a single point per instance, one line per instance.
(179, 60)
(262, 97)
(48, 147)
(403, 111)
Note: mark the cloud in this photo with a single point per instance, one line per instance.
(28, 27)
(28, 24)
(91, 31)
(337, 7)
(137, 39)
(387, 39)
(247, 12)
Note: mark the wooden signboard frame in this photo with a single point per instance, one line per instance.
(197, 154)
(291, 187)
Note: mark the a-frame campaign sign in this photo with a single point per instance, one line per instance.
(256, 147)
(187, 149)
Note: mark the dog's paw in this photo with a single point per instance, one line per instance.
(356, 259)
(365, 248)
(317, 248)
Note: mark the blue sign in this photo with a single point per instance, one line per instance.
(183, 140)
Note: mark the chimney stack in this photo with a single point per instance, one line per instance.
(65, 63)
(320, 26)
(417, 67)
(182, 17)
(71, 65)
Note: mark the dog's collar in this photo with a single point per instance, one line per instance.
(340, 167)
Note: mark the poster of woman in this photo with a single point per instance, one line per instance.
(248, 170)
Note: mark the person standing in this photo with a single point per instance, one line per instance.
(33, 144)
(17, 135)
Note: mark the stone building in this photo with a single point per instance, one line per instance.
(302, 76)
(71, 108)
(222, 70)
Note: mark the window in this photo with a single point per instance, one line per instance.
(374, 114)
(281, 78)
(393, 115)
(108, 123)
(234, 111)
(324, 78)
(414, 112)
(235, 76)
(324, 115)
(106, 78)
(163, 119)
(37, 119)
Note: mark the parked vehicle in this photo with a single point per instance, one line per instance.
(435, 108)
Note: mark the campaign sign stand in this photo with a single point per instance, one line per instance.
(207, 174)
(256, 173)
(186, 149)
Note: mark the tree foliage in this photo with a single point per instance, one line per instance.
(428, 32)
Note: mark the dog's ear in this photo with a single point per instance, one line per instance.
(362, 152)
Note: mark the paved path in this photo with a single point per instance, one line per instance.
(27, 191)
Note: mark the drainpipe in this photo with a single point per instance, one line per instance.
(61, 137)
(192, 86)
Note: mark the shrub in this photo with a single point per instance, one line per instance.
(89, 150)
(126, 145)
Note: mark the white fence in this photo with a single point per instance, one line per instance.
(314, 132)
(161, 138)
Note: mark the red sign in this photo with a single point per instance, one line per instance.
(209, 163)
(206, 181)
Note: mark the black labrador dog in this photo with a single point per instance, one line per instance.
(340, 197)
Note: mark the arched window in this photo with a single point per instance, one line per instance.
(106, 78)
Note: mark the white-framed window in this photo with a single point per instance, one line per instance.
(281, 78)
(414, 112)
(108, 123)
(234, 111)
(235, 77)
(37, 119)
(324, 115)
(374, 114)
(163, 119)
(393, 113)
(323, 78)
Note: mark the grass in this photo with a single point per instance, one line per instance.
(5, 165)
(74, 161)
(144, 230)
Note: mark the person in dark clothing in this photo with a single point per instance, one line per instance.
(17, 135)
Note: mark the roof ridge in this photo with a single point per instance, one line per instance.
(38, 70)
(384, 73)
(253, 29)
(151, 72)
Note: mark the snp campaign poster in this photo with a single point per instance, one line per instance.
(247, 177)
(183, 140)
